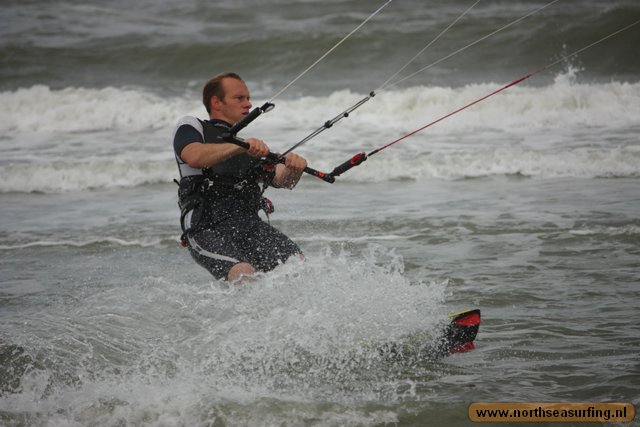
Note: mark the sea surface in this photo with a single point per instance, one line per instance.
(525, 205)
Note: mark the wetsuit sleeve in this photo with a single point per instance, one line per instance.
(185, 135)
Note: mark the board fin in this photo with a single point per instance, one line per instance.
(456, 336)
(459, 335)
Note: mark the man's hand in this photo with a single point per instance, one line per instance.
(257, 147)
(289, 173)
(295, 163)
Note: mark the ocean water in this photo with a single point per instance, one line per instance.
(525, 205)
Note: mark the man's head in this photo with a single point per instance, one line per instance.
(226, 97)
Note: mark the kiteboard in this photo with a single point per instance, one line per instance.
(457, 335)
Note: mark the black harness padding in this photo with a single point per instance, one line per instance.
(227, 188)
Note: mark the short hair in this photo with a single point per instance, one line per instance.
(214, 88)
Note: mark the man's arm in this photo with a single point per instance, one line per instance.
(199, 155)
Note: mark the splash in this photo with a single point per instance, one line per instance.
(163, 352)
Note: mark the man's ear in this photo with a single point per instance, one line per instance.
(215, 103)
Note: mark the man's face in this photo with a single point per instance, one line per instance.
(236, 103)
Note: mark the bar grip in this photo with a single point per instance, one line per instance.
(326, 177)
(352, 162)
(242, 123)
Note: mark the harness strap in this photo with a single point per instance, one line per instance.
(194, 193)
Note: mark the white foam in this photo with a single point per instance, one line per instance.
(144, 243)
(92, 174)
(78, 138)
(42, 109)
(619, 231)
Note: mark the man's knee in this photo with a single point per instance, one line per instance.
(239, 271)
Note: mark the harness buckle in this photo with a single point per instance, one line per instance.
(240, 185)
(267, 206)
(206, 185)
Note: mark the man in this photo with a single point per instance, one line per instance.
(220, 194)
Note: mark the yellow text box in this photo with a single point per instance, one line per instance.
(484, 412)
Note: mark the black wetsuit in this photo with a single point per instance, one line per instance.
(220, 206)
